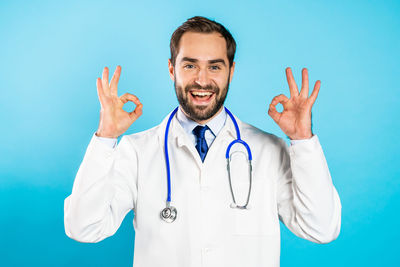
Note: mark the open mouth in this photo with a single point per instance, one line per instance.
(201, 97)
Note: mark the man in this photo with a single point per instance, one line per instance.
(291, 184)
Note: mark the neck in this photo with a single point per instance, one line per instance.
(202, 122)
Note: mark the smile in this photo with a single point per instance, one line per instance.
(201, 93)
(201, 97)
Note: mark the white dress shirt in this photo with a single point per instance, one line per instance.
(291, 184)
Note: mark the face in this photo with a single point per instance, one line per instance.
(201, 75)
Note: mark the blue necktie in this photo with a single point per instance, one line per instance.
(201, 144)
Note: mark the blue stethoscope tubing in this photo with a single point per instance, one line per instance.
(169, 213)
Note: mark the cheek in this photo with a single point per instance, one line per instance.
(222, 82)
(222, 78)
(184, 74)
(183, 79)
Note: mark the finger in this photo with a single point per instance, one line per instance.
(114, 81)
(137, 112)
(315, 92)
(279, 99)
(100, 92)
(104, 81)
(304, 83)
(275, 115)
(129, 97)
(292, 84)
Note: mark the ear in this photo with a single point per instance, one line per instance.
(171, 70)
(232, 70)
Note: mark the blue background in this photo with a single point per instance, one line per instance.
(51, 54)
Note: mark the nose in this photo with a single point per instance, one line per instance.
(202, 78)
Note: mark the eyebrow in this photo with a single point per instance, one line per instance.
(212, 61)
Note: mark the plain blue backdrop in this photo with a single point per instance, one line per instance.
(51, 53)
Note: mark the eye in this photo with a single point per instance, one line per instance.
(188, 66)
(215, 67)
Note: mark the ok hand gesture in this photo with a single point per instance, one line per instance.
(114, 121)
(295, 119)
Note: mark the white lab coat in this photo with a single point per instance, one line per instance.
(292, 184)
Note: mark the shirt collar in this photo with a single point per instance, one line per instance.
(215, 124)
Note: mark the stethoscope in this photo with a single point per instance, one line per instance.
(169, 213)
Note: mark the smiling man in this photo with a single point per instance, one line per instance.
(204, 80)
(191, 209)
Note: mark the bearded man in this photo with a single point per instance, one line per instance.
(190, 208)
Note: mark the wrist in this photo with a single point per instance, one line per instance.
(301, 137)
(100, 133)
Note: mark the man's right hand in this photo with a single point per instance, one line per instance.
(114, 121)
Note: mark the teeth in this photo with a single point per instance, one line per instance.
(201, 93)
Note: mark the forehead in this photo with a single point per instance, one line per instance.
(202, 46)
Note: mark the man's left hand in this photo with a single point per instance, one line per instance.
(295, 119)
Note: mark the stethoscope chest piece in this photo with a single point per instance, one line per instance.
(169, 214)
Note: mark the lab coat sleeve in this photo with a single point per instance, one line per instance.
(104, 191)
(111, 142)
(308, 203)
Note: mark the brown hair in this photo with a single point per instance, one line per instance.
(202, 25)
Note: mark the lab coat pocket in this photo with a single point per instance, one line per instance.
(261, 218)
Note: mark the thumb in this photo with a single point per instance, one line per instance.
(273, 113)
(134, 115)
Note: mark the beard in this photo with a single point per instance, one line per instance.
(200, 112)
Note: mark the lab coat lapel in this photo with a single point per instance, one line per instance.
(183, 141)
(226, 135)
(177, 138)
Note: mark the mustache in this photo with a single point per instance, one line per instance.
(209, 87)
